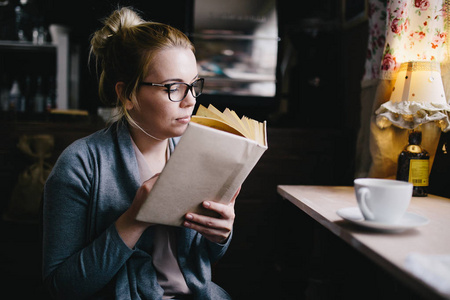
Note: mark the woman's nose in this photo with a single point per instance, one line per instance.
(188, 101)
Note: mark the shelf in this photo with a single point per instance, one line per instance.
(43, 117)
(61, 52)
(232, 37)
(244, 78)
(252, 87)
(27, 46)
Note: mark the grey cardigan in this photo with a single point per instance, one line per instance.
(93, 182)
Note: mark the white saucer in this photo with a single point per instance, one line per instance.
(409, 220)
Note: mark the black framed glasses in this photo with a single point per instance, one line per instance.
(177, 91)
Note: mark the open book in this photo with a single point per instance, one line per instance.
(211, 161)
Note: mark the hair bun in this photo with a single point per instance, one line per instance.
(120, 20)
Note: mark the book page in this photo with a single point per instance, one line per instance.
(233, 118)
(215, 123)
(209, 112)
(230, 122)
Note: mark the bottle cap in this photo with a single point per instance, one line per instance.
(415, 137)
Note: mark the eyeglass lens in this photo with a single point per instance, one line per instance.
(178, 91)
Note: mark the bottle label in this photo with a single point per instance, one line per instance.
(418, 172)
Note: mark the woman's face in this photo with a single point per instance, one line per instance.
(156, 114)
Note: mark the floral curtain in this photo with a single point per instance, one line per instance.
(399, 31)
(416, 31)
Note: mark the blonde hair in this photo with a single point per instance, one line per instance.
(124, 48)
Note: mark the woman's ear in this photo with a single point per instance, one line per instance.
(120, 90)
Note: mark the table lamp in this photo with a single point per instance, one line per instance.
(417, 98)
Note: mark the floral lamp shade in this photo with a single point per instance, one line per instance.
(416, 30)
(418, 97)
(416, 45)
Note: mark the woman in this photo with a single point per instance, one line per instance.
(93, 246)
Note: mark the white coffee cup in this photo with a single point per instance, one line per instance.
(383, 200)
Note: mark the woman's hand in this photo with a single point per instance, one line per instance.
(216, 230)
(130, 229)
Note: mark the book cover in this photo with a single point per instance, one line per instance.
(209, 163)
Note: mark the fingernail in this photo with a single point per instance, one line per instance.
(187, 224)
(189, 216)
(207, 204)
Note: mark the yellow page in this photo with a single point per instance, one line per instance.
(233, 118)
(230, 122)
(214, 123)
(262, 133)
(208, 112)
(248, 124)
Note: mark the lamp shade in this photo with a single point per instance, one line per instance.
(418, 97)
(416, 30)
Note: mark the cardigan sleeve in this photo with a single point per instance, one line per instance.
(217, 250)
(72, 267)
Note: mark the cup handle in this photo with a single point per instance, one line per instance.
(363, 193)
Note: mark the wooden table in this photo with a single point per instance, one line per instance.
(388, 250)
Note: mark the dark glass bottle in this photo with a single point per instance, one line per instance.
(413, 164)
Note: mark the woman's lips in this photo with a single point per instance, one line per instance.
(184, 120)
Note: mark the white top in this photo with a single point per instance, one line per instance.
(164, 253)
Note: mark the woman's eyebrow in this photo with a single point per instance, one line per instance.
(178, 79)
(172, 79)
